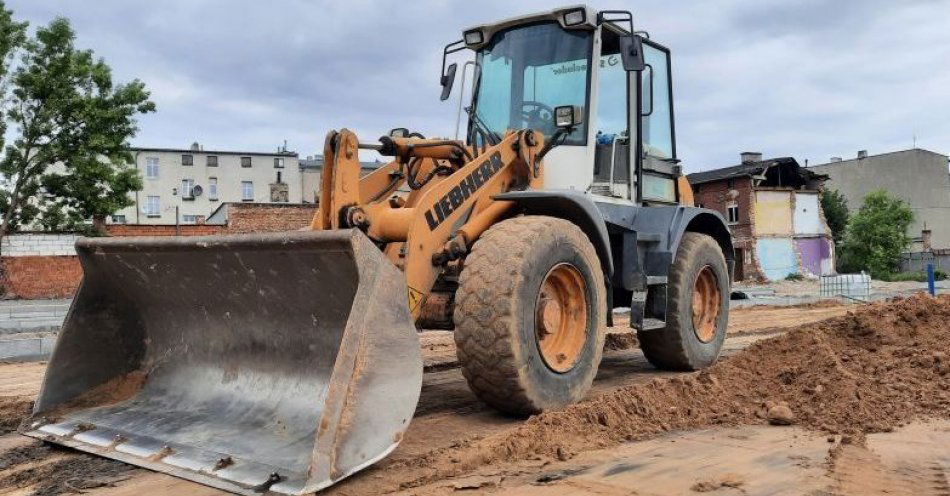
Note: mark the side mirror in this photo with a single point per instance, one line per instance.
(399, 132)
(448, 79)
(631, 53)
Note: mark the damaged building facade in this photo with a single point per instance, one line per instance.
(774, 212)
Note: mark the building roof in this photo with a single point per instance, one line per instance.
(316, 162)
(742, 170)
(896, 152)
(189, 151)
(774, 172)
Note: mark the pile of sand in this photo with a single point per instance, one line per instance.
(869, 371)
(13, 409)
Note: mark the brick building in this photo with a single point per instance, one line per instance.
(774, 213)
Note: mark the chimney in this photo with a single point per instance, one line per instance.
(751, 157)
(195, 147)
(862, 154)
(835, 159)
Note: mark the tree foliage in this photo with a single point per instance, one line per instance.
(877, 234)
(67, 162)
(835, 207)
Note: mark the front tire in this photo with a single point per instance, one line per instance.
(697, 311)
(529, 315)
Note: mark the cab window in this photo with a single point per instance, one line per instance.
(655, 103)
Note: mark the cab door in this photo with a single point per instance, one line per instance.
(659, 166)
(614, 149)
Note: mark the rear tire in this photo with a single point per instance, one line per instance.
(697, 310)
(529, 315)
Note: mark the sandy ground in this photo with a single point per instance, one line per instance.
(725, 460)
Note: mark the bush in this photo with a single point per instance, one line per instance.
(794, 276)
(835, 207)
(877, 235)
(939, 275)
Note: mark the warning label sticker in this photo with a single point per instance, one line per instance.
(415, 296)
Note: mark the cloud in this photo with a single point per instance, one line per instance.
(808, 79)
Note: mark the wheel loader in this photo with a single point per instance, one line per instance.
(285, 362)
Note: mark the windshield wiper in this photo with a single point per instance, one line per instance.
(489, 135)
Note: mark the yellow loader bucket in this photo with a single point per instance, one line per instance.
(267, 362)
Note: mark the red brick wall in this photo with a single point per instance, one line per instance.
(715, 196)
(38, 277)
(41, 277)
(162, 230)
(268, 218)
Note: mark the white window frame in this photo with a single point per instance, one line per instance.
(189, 219)
(212, 188)
(151, 167)
(187, 189)
(278, 162)
(153, 201)
(119, 219)
(247, 191)
(730, 208)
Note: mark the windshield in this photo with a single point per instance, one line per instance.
(527, 71)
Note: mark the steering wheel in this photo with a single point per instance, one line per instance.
(537, 115)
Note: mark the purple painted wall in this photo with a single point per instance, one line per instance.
(816, 255)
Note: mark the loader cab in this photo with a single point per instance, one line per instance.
(624, 150)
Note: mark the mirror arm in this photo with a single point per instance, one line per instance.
(455, 46)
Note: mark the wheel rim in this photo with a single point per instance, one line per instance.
(707, 300)
(561, 317)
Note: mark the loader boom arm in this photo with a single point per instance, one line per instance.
(448, 206)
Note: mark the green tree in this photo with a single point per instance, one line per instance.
(68, 113)
(835, 207)
(877, 234)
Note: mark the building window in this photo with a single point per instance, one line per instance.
(189, 219)
(278, 162)
(247, 191)
(245, 162)
(212, 161)
(187, 160)
(213, 188)
(118, 219)
(697, 188)
(151, 167)
(188, 189)
(731, 184)
(732, 213)
(152, 206)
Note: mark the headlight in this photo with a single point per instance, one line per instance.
(575, 17)
(567, 116)
(473, 37)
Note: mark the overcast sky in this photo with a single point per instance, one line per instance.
(803, 78)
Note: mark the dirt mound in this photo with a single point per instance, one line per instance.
(24, 454)
(13, 409)
(869, 371)
(70, 475)
(620, 341)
